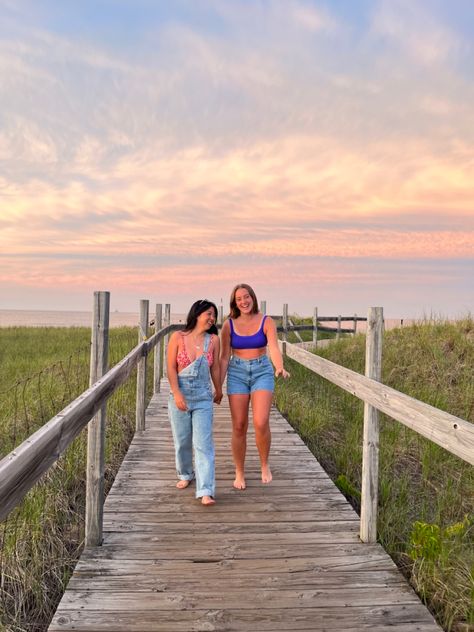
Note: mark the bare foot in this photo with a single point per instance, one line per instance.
(239, 482)
(182, 484)
(266, 474)
(207, 501)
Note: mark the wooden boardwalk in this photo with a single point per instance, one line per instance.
(284, 556)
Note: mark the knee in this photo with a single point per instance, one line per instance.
(262, 427)
(240, 427)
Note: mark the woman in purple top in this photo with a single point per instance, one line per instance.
(250, 376)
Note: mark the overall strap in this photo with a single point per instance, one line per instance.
(207, 339)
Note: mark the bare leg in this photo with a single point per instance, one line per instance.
(239, 409)
(261, 404)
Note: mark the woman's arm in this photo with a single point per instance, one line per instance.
(225, 350)
(275, 354)
(172, 365)
(216, 370)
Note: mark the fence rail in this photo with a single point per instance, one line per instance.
(452, 433)
(25, 465)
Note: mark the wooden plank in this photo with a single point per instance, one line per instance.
(396, 618)
(284, 556)
(450, 432)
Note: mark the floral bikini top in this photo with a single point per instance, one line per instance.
(182, 358)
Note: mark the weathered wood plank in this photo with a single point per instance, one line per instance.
(284, 556)
(244, 599)
(396, 618)
(450, 432)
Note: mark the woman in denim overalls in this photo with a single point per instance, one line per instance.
(193, 359)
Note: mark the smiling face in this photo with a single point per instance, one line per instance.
(243, 301)
(207, 318)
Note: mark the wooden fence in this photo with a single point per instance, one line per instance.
(452, 433)
(25, 465)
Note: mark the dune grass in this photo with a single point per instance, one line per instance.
(41, 371)
(426, 495)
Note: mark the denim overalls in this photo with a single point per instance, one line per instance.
(192, 428)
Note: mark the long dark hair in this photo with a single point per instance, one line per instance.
(196, 310)
(234, 310)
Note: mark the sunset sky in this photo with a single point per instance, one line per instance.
(322, 151)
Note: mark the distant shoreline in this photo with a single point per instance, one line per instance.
(64, 318)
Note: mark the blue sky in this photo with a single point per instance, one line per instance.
(321, 151)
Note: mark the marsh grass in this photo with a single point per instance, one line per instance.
(42, 370)
(426, 495)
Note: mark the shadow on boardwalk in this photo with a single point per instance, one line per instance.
(284, 556)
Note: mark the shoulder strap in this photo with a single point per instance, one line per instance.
(231, 326)
(263, 322)
(207, 339)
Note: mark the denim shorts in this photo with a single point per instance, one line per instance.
(246, 376)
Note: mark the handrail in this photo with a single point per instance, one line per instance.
(25, 465)
(448, 431)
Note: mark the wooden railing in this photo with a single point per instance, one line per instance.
(27, 463)
(452, 433)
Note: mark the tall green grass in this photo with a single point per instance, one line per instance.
(41, 371)
(426, 495)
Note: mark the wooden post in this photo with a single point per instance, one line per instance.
(158, 350)
(263, 307)
(141, 368)
(370, 449)
(338, 333)
(315, 327)
(355, 325)
(96, 427)
(285, 322)
(220, 319)
(165, 344)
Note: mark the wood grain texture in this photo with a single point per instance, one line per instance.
(284, 556)
(370, 442)
(448, 431)
(96, 428)
(25, 465)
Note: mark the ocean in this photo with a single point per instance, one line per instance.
(53, 318)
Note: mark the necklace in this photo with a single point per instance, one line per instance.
(195, 343)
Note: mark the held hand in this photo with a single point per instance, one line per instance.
(180, 401)
(284, 374)
(218, 397)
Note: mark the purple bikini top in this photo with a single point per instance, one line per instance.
(255, 341)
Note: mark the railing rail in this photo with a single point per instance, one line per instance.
(452, 433)
(448, 431)
(25, 465)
